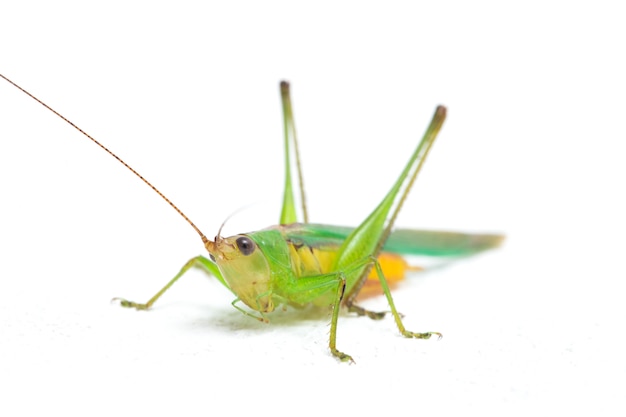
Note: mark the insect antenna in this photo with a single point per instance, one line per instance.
(218, 237)
(204, 239)
(219, 232)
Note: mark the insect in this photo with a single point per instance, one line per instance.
(300, 263)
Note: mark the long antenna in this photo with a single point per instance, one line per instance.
(204, 239)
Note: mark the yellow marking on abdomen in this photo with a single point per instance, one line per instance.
(307, 261)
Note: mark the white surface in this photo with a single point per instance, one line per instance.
(188, 95)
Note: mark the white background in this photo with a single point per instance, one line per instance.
(187, 93)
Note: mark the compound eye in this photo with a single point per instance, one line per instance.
(245, 245)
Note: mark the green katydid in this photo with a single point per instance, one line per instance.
(303, 263)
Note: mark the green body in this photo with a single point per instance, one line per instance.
(290, 263)
(281, 264)
(281, 244)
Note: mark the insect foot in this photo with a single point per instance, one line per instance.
(427, 335)
(343, 357)
(130, 304)
(360, 311)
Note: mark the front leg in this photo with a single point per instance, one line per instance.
(200, 261)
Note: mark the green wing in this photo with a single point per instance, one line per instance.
(440, 243)
(401, 241)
